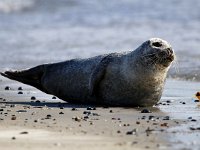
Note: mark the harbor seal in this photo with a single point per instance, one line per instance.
(134, 78)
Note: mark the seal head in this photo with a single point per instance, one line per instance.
(158, 51)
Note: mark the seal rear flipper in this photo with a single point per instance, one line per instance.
(30, 76)
(98, 75)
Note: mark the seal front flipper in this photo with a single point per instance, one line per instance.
(30, 76)
(98, 75)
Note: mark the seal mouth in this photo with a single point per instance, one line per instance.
(166, 57)
(170, 58)
(163, 57)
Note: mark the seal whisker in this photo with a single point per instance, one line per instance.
(175, 64)
(150, 57)
(154, 60)
(146, 55)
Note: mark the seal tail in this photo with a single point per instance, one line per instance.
(30, 76)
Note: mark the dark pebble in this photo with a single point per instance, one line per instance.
(143, 117)
(145, 111)
(126, 125)
(91, 108)
(61, 107)
(137, 122)
(7, 88)
(196, 100)
(77, 119)
(74, 109)
(164, 124)
(131, 132)
(12, 105)
(193, 120)
(183, 103)
(118, 131)
(37, 101)
(53, 97)
(1, 109)
(20, 92)
(86, 112)
(13, 138)
(166, 118)
(35, 120)
(33, 98)
(111, 111)
(192, 128)
(86, 117)
(21, 111)
(61, 112)
(13, 118)
(20, 88)
(48, 117)
(168, 101)
(24, 132)
(189, 117)
(151, 117)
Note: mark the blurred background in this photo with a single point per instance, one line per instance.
(42, 31)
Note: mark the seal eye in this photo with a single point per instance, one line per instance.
(157, 44)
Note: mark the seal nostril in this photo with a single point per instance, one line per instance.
(169, 51)
(157, 44)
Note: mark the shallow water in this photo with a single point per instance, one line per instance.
(40, 31)
(181, 136)
(178, 92)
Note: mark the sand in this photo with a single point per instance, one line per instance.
(43, 122)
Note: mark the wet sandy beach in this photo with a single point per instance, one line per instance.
(30, 119)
